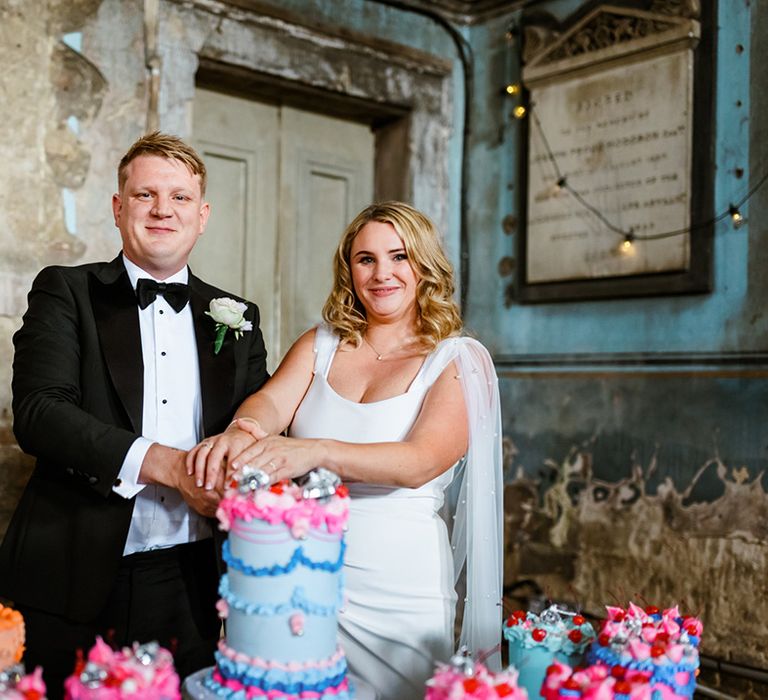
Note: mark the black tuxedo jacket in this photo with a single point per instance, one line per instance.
(77, 403)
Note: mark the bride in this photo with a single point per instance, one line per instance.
(387, 394)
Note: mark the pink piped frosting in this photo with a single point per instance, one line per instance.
(292, 666)
(598, 682)
(126, 676)
(284, 503)
(449, 683)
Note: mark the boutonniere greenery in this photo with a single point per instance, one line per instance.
(228, 313)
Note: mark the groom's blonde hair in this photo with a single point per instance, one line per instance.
(163, 146)
(437, 314)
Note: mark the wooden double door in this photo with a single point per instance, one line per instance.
(283, 184)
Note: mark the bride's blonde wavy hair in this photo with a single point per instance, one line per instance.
(437, 314)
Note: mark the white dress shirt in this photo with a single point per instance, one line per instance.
(171, 415)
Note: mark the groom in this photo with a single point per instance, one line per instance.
(114, 378)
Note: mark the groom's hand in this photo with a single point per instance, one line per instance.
(165, 466)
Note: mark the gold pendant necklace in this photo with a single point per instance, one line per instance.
(380, 355)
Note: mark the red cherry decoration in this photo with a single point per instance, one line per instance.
(471, 685)
(619, 616)
(520, 614)
(554, 668)
(652, 610)
(511, 621)
(662, 637)
(603, 640)
(538, 634)
(617, 671)
(575, 636)
(342, 490)
(571, 684)
(622, 687)
(657, 651)
(578, 620)
(503, 689)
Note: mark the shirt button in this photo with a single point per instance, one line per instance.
(165, 400)
(163, 353)
(161, 311)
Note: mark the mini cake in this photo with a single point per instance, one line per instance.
(464, 679)
(597, 681)
(17, 686)
(535, 641)
(283, 590)
(142, 672)
(11, 637)
(663, 644)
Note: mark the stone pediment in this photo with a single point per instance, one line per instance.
(608, 33)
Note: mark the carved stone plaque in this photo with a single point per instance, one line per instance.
(622, 140)
(610, 149)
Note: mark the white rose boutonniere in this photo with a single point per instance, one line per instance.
(228, 313)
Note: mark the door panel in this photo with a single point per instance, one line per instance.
(283, 185)
(327, 174)
(238, 140)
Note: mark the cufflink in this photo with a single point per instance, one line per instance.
(118, 482)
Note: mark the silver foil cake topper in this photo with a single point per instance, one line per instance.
(146, 653)
(462, 662)
(252, 479)
(319, 483)
(93, 675)
(10, 677)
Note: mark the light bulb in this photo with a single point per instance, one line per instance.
(736, 216)
(519, 112)
(627, 247)
(513, 89)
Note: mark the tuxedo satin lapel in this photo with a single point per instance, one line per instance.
(116, 314)
(217, 372)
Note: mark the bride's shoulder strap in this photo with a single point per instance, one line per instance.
(471, 354)
(326, 342)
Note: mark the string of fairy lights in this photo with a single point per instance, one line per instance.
(629, 237)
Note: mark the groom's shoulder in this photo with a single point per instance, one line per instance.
(74, 273)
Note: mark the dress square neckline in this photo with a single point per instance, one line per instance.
(324, 377)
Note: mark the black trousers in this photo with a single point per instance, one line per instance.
(166, 595)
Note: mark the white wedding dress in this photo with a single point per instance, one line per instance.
(399, 568)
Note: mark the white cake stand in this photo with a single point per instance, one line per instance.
(193, 688)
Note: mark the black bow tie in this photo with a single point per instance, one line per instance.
(176, 294)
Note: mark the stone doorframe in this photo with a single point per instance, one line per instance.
(405, 94)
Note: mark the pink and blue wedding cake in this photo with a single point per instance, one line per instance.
(283, 589)
(536, 641)
(663, 645)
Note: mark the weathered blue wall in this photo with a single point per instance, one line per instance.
(635, 429)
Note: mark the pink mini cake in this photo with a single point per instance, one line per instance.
(662, 644)
(464, 679)
(142, 672)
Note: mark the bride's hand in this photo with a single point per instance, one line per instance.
(281, 457)
(209, 457)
